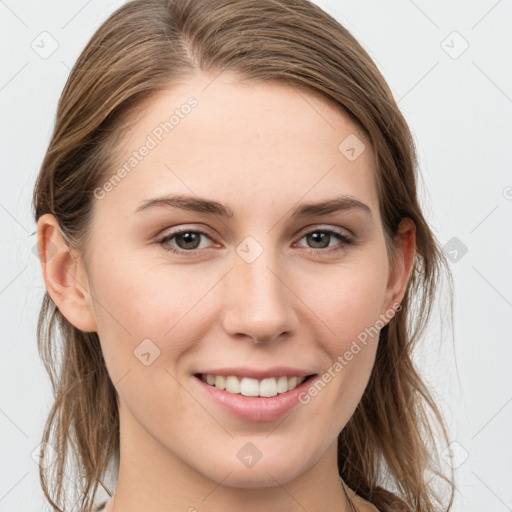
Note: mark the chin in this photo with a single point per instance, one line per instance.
(269, 473)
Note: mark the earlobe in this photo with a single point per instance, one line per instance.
(405, 243)
(63, 275)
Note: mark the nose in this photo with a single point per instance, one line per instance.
(258, 303)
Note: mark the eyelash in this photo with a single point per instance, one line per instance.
(338, 234)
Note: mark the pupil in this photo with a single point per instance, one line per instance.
(189, 238)
(317, 235)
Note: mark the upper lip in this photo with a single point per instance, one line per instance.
(254, 373)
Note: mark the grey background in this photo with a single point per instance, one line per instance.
(458, 102)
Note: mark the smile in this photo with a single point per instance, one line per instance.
(255, 400)
(253, 387)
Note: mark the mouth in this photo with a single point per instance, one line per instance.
(250, 387)
(255, 400)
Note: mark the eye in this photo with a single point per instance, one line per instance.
(189, 239)
(320, 239)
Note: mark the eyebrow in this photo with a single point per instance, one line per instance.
(202, 205)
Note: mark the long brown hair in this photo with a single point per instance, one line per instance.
(387, 450)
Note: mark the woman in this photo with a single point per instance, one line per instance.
(231, 242)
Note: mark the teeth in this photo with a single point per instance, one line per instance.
(254, 387)
(249, 387)
(268, 387)
(282, 384)
(232, 384)
(220, 382)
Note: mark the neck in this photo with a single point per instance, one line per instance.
(152, 478)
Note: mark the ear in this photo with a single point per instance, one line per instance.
(64, 275)
(405, 243)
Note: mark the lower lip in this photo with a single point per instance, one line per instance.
(257, 409)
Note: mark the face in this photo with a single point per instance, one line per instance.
(260, 291)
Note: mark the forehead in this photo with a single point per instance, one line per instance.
(242, 143)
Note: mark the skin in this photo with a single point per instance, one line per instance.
(291, 306)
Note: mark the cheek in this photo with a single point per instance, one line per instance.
(154, 397)
(146, 324)
(348, 300)
(136, 302)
